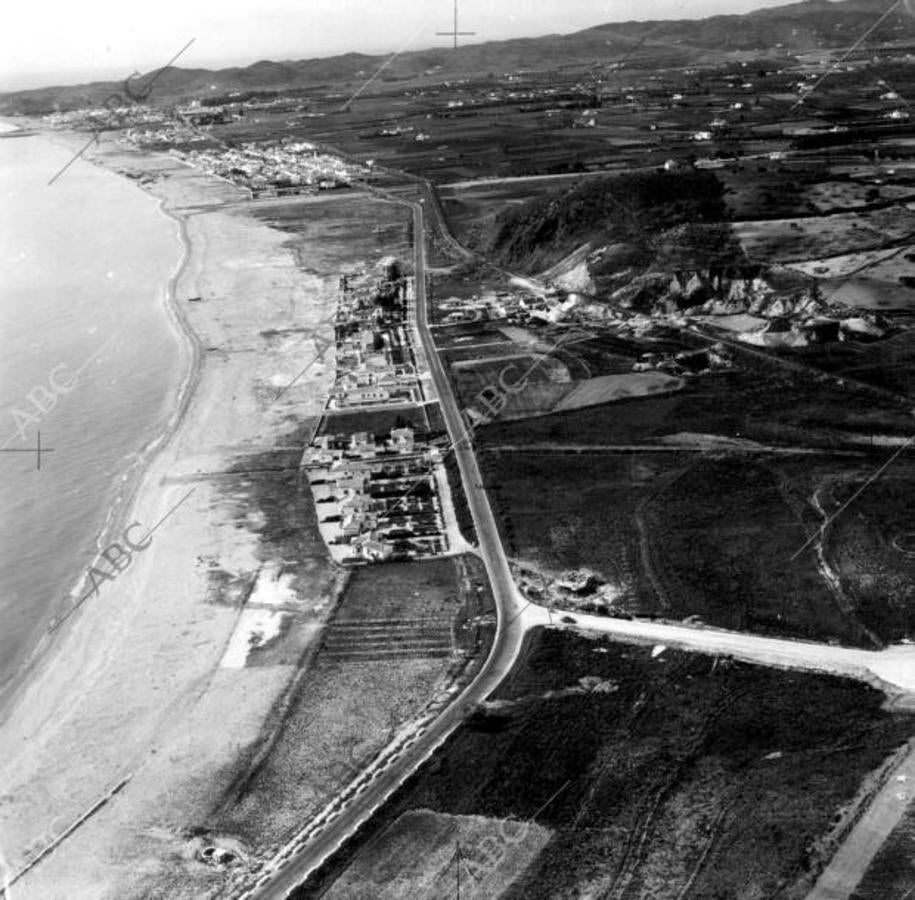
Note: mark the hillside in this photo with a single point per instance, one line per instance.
(657, 243)
(671, 220)
(792, 28)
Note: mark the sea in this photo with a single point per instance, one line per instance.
(89, 357)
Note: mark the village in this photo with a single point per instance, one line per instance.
(274, 168)
(380, 495)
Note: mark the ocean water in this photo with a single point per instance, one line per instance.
(88, 356)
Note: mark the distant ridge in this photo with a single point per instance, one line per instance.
(792, 28)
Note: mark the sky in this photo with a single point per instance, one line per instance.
(60, 43)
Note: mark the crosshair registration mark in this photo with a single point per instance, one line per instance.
(37, 450)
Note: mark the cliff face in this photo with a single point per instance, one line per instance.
(710, 291)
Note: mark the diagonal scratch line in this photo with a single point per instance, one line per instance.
(95, 355)
(168, 515)
(641, 41)
(383, 66)
(520, 612)
(148, 86)
(822, 529)
(295, 380)
(557, 346)
(331, 321)
(802, 100)
(79, 153)
(470, 430)
(552, 798)
(59, 620)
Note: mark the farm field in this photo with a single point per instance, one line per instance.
(770, 405)
(888, 364)
(468, 206)
(567, 511)
(815, 237)
(663, 775)
(401, 632)
(537, 384)
(870, 293)
(416, 858)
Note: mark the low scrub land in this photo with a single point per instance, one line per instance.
(703, 530)
(655, 775)
(401, 632)
(872, 547)
(421, 856)
(628, 209)
(567, 511)
(726, 541)
(327, 233)
(771, 405)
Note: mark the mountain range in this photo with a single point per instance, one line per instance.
(796, 27)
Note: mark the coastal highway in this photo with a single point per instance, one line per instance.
(290, 870)
(304, 855)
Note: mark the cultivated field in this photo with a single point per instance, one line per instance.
(401, 632)
(656, 775)
(792, 240)
(768, 403)
(417, 858)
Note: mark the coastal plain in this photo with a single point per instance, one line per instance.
(677, 322)
(141, 712)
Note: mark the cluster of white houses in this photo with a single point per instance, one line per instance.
(378, 496)
(376, 365)
(378, 499)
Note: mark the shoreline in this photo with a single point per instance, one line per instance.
(128, 483)
(135, 689)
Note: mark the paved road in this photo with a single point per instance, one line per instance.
(842, 876)
(516, 616)
(279, 881)
(895, 666)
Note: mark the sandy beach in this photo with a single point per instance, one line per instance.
(136, 693)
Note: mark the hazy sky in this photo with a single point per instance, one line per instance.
(44, 43)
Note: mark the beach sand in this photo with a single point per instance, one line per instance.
(132, 686)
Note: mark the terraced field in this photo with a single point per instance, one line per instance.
(402, 633)
(607, 770)
(391, 638)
